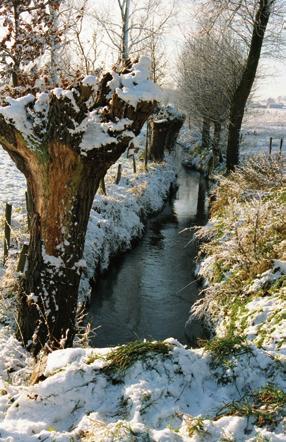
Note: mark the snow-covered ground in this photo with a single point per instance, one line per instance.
(258, 126)
(170, 393)
(160, 398)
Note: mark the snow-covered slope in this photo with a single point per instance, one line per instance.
(231, 389)
(116, 218)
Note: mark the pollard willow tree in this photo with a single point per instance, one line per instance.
(162, 131)
(64, 141)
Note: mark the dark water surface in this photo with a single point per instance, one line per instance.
(147, 293)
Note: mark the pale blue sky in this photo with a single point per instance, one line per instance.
(273, 78)
(274, 83)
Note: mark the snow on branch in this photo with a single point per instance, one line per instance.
(136, 85)
(91, 114)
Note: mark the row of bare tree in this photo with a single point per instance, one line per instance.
(218, 66)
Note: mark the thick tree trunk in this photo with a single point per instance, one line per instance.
(244, 88)
(163, 130)
(48, 300)
(62, 187)
(157, 136)
(175, 127)
(206, 134)
(62, 178)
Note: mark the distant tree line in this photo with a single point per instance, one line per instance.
(218, 65)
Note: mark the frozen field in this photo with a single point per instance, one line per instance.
(258, 126)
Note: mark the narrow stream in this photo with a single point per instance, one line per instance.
(147, 293)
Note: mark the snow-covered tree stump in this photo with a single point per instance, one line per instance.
(64, 141)
(163, 130)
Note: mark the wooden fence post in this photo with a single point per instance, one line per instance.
(22, 258)
(102, 186)
(7, 230)
(270, 146)
(280, 147)
(134, 163)
(118, 177)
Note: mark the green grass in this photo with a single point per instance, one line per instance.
(195, 426)
(246, 233)
(125, 356)
(222, 348)
(266, 405)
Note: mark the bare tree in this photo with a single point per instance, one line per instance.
(154, 48)
(249, 19)
(29, 27)
(210, 68)
(133, 26)
(82, 46)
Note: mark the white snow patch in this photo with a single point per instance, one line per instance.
(89, 80)
(136, 86)
(15, 112)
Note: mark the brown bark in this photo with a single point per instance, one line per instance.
(62, 183)
(163, 130)
(244, 88)
(156, 141)
(174, 130)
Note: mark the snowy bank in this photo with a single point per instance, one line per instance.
(231, 389)
(168, 393)
(116, 219)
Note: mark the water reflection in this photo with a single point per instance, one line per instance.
(141, 295)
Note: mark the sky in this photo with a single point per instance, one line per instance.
(272, 81)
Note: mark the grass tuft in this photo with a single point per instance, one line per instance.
(195, 426)
(267, 406)
(125, 356)
(222, 348)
